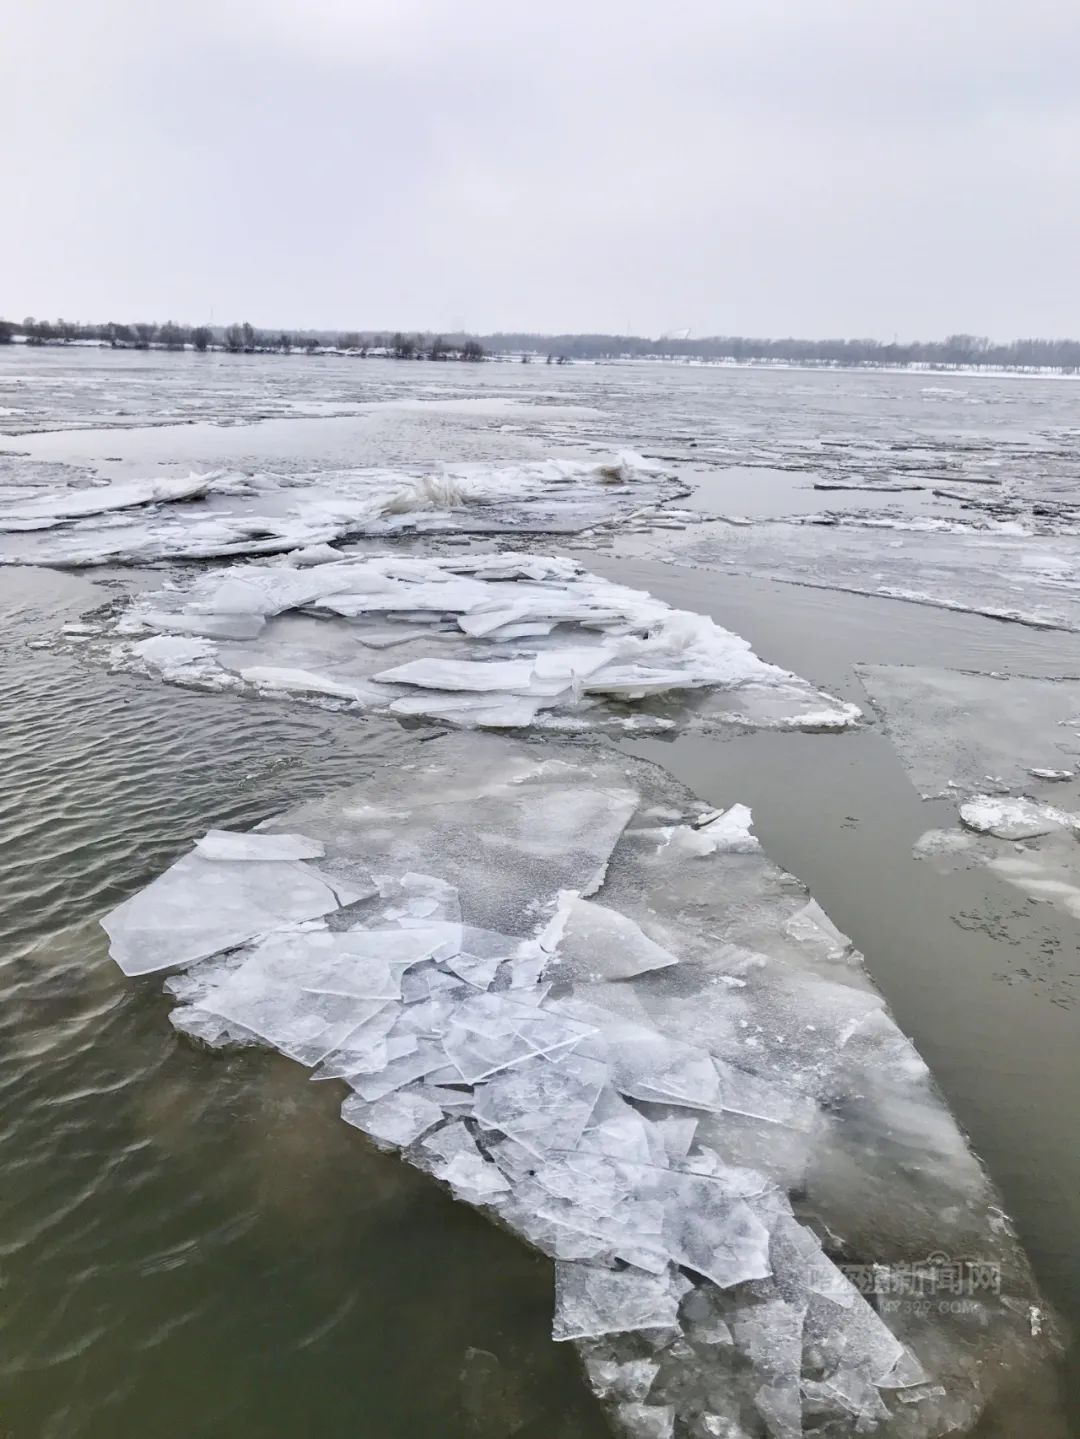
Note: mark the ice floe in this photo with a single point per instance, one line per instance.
(958, 730)
(1018, 818)
(227, 515)
(1028, 579)
(476, 640)
(657, 1063)
(987, 741)
(1043, 864)
(46, 511)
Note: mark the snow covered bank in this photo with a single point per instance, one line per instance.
(594, 1009)
(228, 515)
(492, 640)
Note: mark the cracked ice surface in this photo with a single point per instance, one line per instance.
(134, 523)
(485, 640)
(657, 1063)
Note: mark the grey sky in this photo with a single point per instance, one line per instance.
(812, 167)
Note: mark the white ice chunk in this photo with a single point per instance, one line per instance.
(74, 504)
(484, 675)
(474, 970)
(1014, 818)
(223, 844)
(489, 1032)
(647, 1066)
(395, 1120)
(367, 1048)
(758, 1098)
(715, 1236)
(305, 992)
(456, 1159)
(598, 943)
(727, 834)
(315, 555)
(422, 1058)
(590, 1300)
(295, 681)
(181, 660)
(677, 1133)
(199, 907)
(630, 1381)
(541, 1103)
(770, 1334)
(647, 1421)
(617, 1129)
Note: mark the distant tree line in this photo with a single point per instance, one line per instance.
(952, 352)
(242, 339)
(955, 350)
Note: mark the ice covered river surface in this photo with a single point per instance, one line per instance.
(193, 1243)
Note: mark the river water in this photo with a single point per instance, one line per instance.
(194, 1245)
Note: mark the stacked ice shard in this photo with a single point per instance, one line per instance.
(486, 640)
(595, 1010)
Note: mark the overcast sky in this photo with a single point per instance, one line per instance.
(764, 167)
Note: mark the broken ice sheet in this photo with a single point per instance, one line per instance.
(647, 1421)
(590, 1300)
(646, 1065)
(542, 1103)
(304, 992)
(424, 903)
(721, 1239)
(397, 1119)
(487, 648)
(455, 1158)
(490, 1032)
(507, 837)
(771, 1336)
(199, 907)
(749, 1094)
(631, 1380)
(598, 943)
(222, 844)
(423, 1058)
(367, 1048)
(643, 1123)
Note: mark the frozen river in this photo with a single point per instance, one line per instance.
(195, 1244)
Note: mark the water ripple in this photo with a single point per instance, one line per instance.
(167, 1214)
